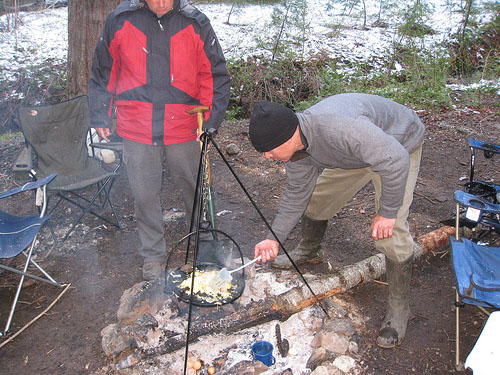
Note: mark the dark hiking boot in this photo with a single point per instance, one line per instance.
(309, 246)
(393, 328)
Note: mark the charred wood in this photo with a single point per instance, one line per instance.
(283, 306)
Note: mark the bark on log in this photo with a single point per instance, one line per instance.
(283, 306)
(435, 239)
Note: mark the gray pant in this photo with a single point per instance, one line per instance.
(144, 169)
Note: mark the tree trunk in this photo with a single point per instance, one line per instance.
(230, 12)
(461, 50)
(364, 15)
(85, 21)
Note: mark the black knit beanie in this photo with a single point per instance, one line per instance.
(271, 125)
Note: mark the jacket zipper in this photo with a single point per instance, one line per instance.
(162, 29)
(161, 26)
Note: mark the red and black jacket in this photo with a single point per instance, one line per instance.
(156, 69)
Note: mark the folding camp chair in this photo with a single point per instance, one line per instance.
(489, 150)
(18, 234)
(57, 133)
(488, 191)
(476, 265)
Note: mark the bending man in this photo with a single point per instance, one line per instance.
(331, 151)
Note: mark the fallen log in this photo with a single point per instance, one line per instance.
(436, 239)
(283, 306)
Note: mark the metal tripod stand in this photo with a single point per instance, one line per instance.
(199, 208)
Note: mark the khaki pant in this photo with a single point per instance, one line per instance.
(336, 187)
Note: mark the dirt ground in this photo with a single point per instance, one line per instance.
(101, 261)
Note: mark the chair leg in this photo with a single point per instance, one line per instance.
(18, 292)
(458, 365)
(48, 279)
(86, 209)
(24, 273)
(52, 233)
(117, 168)
(102, 202)
(118, 224)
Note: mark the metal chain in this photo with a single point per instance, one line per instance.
(205, 191)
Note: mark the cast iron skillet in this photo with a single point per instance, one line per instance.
(176, 277)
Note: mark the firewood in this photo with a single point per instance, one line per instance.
(279, 307)
(283, 306)
(436, 239)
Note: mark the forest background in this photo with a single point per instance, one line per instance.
(280, 64)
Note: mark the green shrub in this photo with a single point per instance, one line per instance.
(287, 80)
(475, 47)
(298, 84)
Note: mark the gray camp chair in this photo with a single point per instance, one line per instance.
(57, 133)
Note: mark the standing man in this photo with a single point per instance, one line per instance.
(154, 61)
(331, 151)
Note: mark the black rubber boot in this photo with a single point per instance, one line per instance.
(393, 328)
(308, 247)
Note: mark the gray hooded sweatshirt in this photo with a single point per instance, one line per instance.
(351, 131)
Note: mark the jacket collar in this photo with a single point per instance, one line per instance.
(131, 5)
(128, 6)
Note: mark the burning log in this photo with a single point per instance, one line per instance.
(282, 306)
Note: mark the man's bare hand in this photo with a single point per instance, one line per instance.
(268, 249)
(104, 133)
(382, 227)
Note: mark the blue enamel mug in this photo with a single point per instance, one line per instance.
(262, 351)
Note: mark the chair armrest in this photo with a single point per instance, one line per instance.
(485, 146)
(28, 186)
(469, 200)
(23, 164)
(113, 146)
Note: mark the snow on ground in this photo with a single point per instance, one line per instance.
(42, 36)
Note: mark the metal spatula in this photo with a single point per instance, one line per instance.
(224, 275)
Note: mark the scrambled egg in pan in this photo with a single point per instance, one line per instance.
(204, 282)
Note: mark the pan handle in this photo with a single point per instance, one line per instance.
(247, 264)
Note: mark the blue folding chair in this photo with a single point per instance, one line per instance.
(489, 149)
(18, 235)
(486, 190)
(476, 265)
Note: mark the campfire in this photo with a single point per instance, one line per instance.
(150, 334)
(152, 326)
